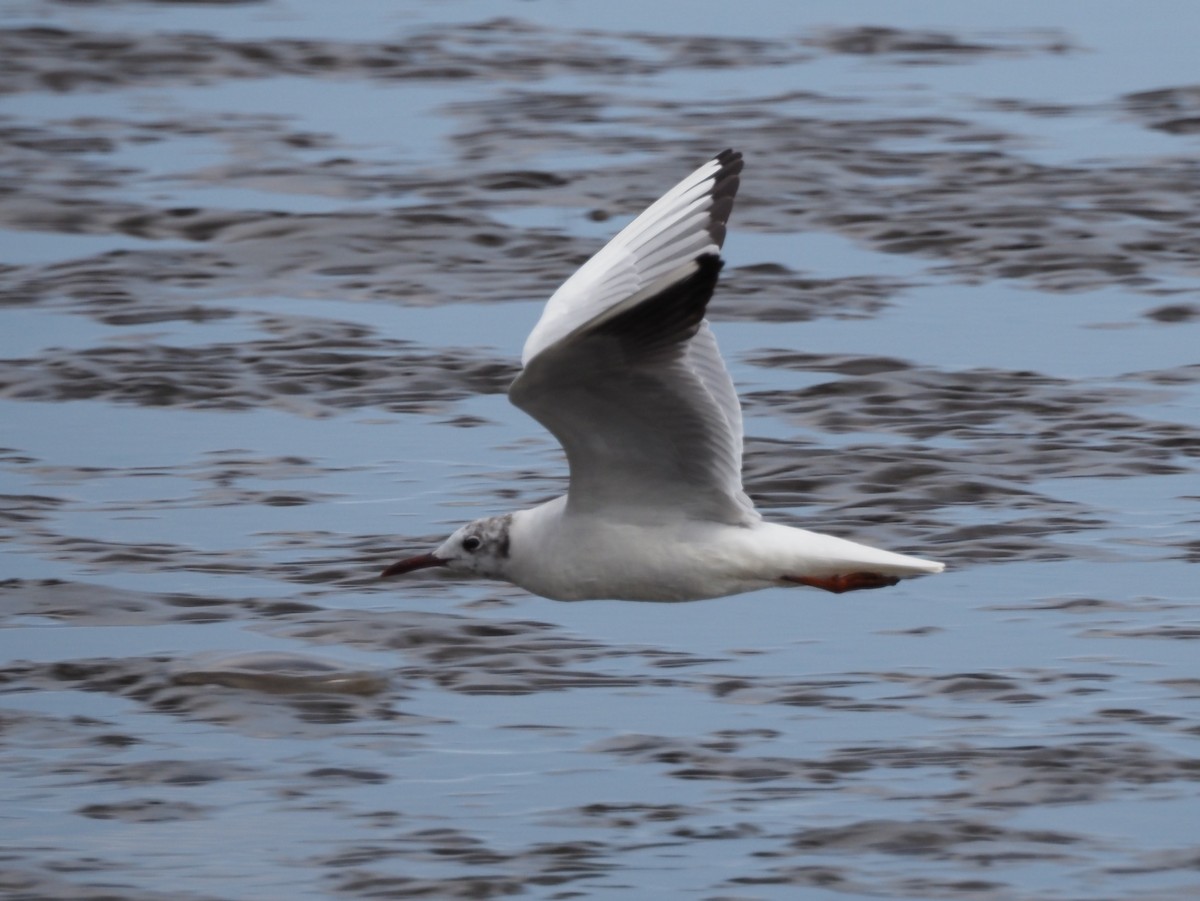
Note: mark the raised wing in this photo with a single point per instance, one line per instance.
(687, 221)
(626, 373)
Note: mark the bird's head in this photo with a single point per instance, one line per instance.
(480, 547)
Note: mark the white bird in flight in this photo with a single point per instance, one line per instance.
(624, 371)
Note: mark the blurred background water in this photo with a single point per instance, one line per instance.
(265, 272)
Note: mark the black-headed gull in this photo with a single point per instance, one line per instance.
(623, 369)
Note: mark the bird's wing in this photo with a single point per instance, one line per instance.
(687, 221)
(624, 371)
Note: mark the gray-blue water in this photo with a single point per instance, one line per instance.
(265, 272)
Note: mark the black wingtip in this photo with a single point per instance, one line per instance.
(670, 317)
(731, 167)
(725, 186)
(709, 266)
(729, 157)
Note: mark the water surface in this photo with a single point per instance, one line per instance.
(265, 274)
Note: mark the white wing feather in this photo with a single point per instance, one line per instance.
(671, 230)
(625, 372)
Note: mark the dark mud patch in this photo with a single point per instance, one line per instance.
(501, 657)
(926, 694)
(464, 653)
(982, 843)
(494, 871)
(97, 883)
(916, 47)
(248, 699)
(306, 366)
(81, 603)
(778, 295)
(402, 257)
(1173, 110)
(279, 673)
(998, 777)
(217, 478)
(1055, 426)
(1174, 312)
(505, 48)
(145, 811)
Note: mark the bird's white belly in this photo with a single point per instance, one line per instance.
(594, 559)
(643, 583)
(575, 558)
(632, 579)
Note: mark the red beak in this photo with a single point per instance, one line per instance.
(423, 561)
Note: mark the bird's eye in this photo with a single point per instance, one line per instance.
(471, 543)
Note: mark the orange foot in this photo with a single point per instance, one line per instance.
(846, 582)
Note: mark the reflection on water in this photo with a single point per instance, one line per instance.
(266, 274)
